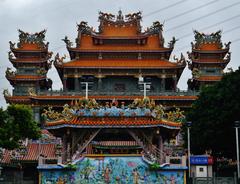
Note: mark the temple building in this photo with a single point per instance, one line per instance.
(207, 60)
(119, 107)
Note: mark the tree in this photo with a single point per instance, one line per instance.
(17, 123)
(213, 115)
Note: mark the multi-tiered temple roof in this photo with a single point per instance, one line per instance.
(111, 60)
(208, 59)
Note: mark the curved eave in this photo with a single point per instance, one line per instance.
(16, 50)
(14, 61)
(18, 99)
(25, 78)
(122, 64)
(119, 37)
(161, 50)
(211, 51)
(222, 63)
(118, 123)
(225, 61)
(208, 78)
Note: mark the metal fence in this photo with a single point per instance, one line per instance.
(215, 180)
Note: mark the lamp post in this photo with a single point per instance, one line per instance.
(146, 85)
(237, 125)
(86, 89)
(189, 152)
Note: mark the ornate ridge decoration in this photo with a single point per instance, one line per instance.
(11, 55)
(195, 73)
(120, 18)
(67, 42)
(202, 38)
(6, 93)
(10, 73)
(25, 37)
(157, 28)
(90, 108)
(58, 61)
(172, 42)
(32, 92)
(181, 61)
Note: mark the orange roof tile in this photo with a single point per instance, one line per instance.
(26, 77)
(84, 122)
(28, 60)
(32, 154)
(209, 78)
(18, 99)
(115, 143)
(209, 46)
(120, 30)
(86, 43)
(35, 149)
(209, 60)
(29, 47)
(122, 64)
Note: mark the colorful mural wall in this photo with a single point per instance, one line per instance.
(112, 170)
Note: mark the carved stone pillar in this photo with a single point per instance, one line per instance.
(64, 144)
(163, 83)
(76, 83)
(160, 147)
(64, 84)
(76, 80)
(175, 83)
(100, 77)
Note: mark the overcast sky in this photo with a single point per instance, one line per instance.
(59, 17)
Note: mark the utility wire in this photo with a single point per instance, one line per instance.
(213, 25)
(204, 16)
(191, 10)
(225, 32)
(164, 8)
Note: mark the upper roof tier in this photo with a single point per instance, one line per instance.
(118, 31)
(209, 43)
(30, 42)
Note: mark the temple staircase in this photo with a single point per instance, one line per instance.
(151, 154)
(83, 141)
(87, 139)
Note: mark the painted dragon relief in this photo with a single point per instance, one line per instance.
(90, 108)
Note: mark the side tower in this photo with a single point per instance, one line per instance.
(207, 60)
(30, 57)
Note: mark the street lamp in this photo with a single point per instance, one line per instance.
(189, 152)
(86, 89)
(146, 85)
(237, 125)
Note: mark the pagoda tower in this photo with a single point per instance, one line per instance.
(207, 60)
(30, 57)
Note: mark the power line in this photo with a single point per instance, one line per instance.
(213, 25)
(225, 32)
(191, 10)
(164, 8)
(204, 16)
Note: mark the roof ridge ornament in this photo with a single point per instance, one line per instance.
(202, 38)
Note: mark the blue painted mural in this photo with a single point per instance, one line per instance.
(111, 170)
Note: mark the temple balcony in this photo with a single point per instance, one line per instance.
(111, 93)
